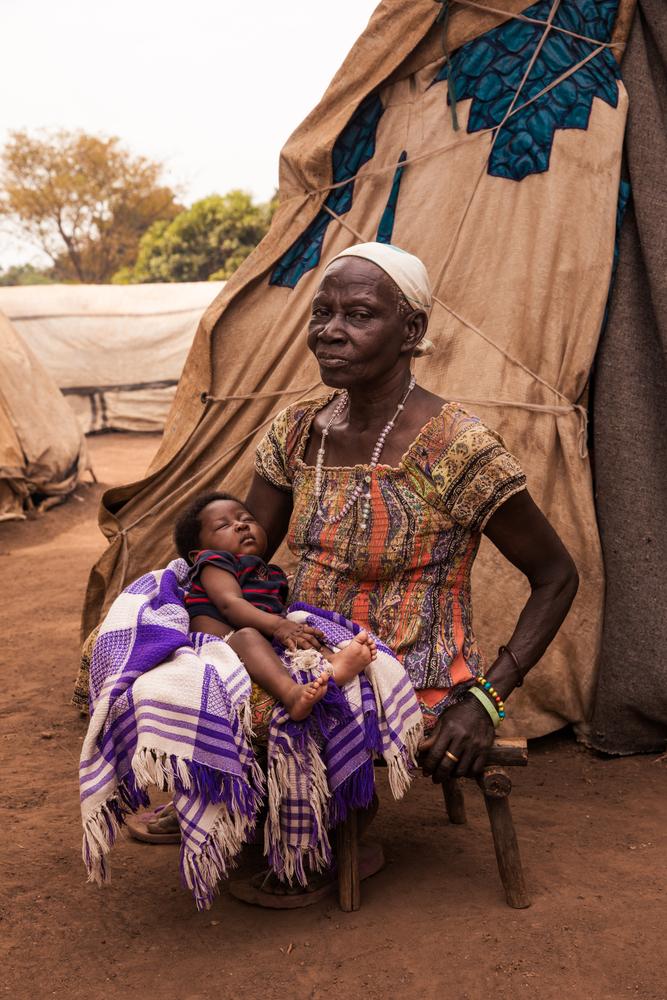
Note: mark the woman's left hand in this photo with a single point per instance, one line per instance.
(466, 732)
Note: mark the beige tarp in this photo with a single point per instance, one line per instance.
(42, 448)
(521, 271)
(116, 351)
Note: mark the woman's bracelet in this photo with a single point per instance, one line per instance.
(486, 704)
(489, 690)
(515, 661)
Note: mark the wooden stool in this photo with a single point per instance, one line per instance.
(495, 785)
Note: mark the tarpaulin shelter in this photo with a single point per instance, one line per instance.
(515, 215)
(115, 351)
(630, 416)
(42, 448)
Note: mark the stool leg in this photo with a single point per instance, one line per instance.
(454, 801)
(496, 787)
(349, 895)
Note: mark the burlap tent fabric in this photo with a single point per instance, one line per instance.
(42, 449)
(630, 415)
(115, 351)
(514, 217)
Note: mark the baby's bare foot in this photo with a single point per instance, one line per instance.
(354, 658)
(300, 703)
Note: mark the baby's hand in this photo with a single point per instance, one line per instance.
(296, 635)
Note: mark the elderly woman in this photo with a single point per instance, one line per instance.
(383, 490)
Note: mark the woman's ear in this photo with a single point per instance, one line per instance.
(415, 329)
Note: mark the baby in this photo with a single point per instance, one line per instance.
(234, 594)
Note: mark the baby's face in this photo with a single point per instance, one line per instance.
(227, 525)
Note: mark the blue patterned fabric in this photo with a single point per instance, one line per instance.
(386, 227)
(353, 147)
(489, 69)
(624, 191)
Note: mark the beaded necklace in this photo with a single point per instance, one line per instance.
(375, 457)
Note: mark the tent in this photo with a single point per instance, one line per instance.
(116, 351)
(630, 415)
(42, 448)
(489, 143)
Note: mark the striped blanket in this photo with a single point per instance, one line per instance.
(172, 708)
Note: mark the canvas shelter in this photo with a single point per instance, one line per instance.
(515, 216)
(115, 351)
(42, 448)
(630, 416)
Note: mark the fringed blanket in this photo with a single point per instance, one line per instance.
(172, 708)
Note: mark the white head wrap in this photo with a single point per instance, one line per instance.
(404, 269)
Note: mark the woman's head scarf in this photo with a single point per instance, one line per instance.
(404, 269)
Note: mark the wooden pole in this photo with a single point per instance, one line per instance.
(508, 753)
(454, 801)
(496, 787)
(349, 895)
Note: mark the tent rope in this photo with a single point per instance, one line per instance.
(536, 20)
(443, 18)
(207, 398)
(365, 174)
(531, 62)
(557, 411)
(174, 496)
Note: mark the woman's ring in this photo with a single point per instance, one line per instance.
(452, 756)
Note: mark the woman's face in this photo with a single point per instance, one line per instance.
(356, 331)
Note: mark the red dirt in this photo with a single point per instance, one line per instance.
(433, 924)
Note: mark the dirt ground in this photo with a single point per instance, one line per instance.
(433, 923)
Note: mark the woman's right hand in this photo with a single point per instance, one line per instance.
(296, 635)
(459, 743)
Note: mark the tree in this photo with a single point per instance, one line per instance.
(25, 274)
(83, 199)
(203, 243)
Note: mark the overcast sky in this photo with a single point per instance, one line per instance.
(212, 89)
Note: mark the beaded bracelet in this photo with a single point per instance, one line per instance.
(486, 704)
(515, 661)
(489, 689)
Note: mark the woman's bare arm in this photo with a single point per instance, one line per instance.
(524, 536)
(521, 532)
(272, 508)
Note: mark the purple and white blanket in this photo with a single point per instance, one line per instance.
(172, 708)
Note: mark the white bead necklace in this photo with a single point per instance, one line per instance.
(375, 457)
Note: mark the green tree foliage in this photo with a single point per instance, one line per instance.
(83, 199)
(205, 242)
(25, 274)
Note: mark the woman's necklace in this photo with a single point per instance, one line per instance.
(375, 457)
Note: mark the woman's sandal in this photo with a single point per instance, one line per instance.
(257, 889)
(159, 826)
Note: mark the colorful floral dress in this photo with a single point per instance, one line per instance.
(406, 575)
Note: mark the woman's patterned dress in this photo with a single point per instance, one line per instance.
(406, 576)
